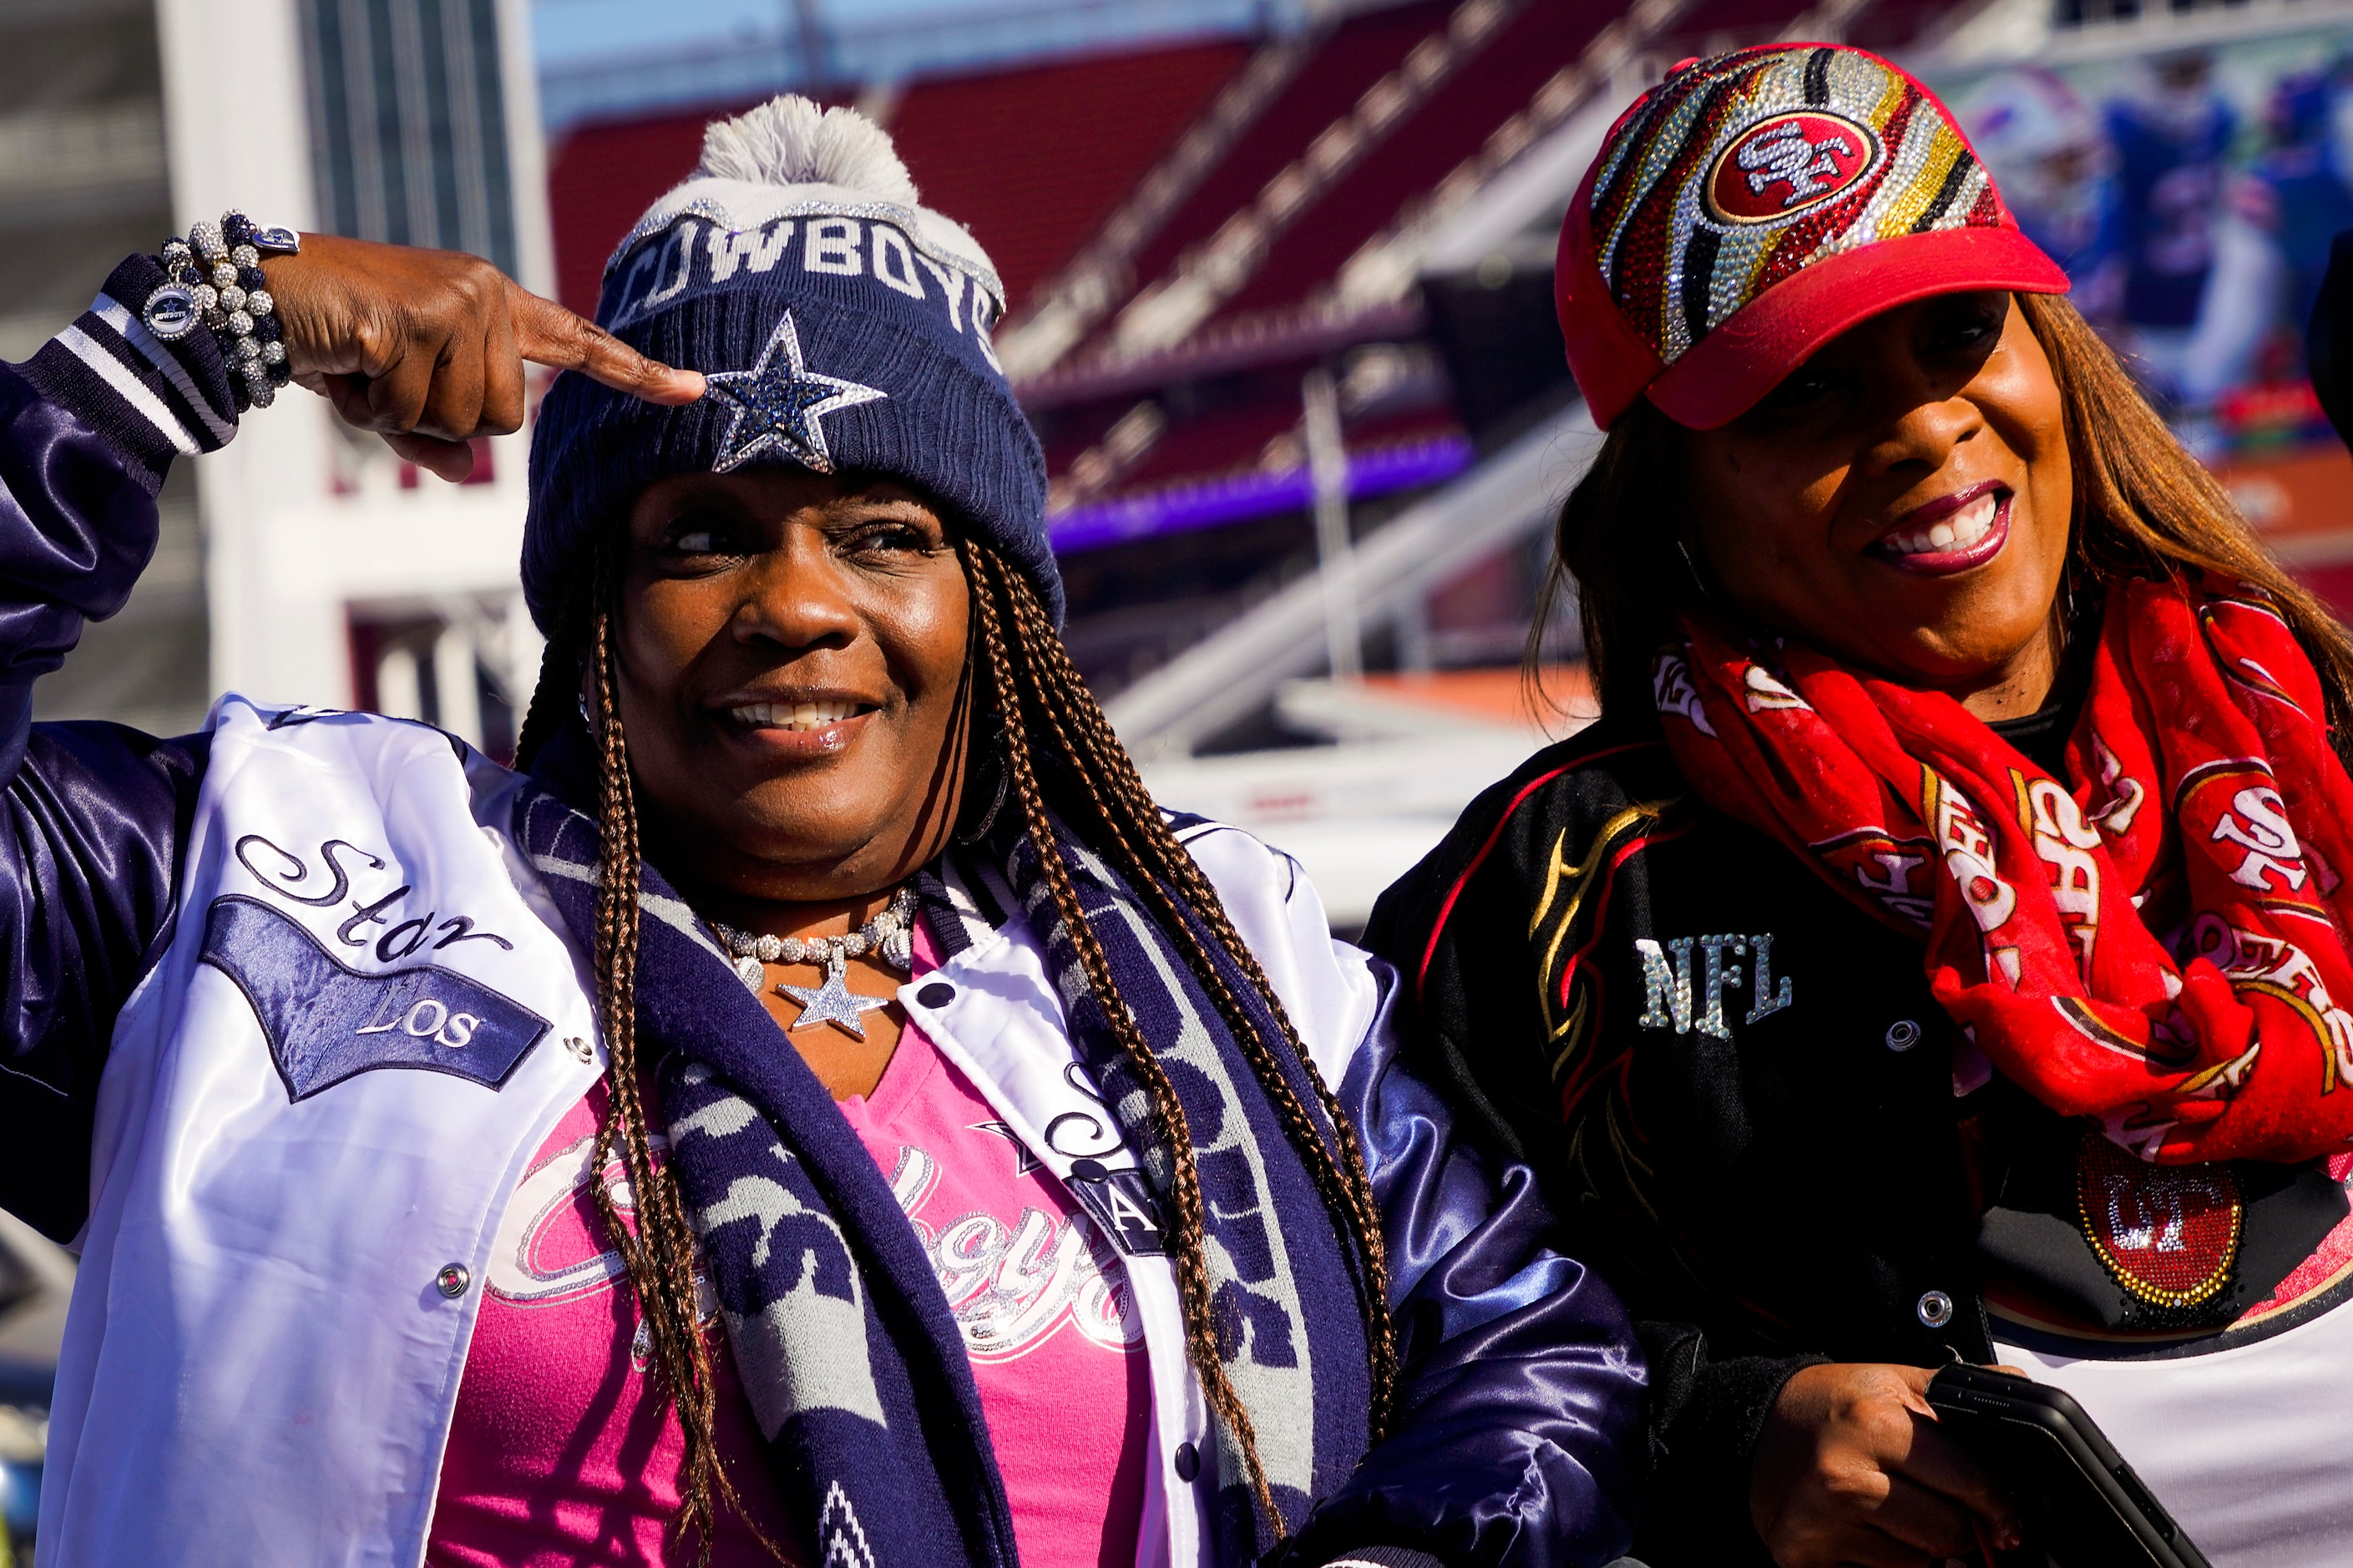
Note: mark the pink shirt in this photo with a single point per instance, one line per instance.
(560, 1452)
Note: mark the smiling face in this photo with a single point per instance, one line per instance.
(1902, 500)
(792, 653)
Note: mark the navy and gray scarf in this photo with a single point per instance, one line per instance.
(845, 1344)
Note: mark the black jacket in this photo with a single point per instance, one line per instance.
(1742, 1097)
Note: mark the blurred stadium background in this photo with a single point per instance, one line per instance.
(1281, 306)
(1280, 274)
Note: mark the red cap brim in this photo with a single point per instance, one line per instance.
(1724, 375)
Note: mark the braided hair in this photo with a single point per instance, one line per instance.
(1061, 759)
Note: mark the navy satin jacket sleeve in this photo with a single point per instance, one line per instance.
(1518, 1438)
(94, 814)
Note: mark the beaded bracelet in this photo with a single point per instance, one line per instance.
(213, 277)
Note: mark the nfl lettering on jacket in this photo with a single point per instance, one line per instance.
(1674, 998)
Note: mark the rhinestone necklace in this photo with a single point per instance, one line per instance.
(890, 934)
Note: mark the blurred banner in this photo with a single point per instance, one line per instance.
(2191, 194)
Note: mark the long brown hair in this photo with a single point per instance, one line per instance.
(1060, 759)
(2144, 508)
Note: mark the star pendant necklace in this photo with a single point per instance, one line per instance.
(890, 934)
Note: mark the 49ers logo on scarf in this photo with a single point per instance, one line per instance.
(1890, 871)
(1787, 164)
(2251, 833)
(1672, 689)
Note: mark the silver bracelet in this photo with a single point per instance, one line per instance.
(213, 279)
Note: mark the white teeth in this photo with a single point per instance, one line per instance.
(792, 715)
(1964, 529)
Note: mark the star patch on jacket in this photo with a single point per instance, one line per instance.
(327, 1023)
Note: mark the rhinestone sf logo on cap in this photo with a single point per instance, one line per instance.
(1787, 164)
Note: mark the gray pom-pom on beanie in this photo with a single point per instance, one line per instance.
(842, 325)
(790, 141)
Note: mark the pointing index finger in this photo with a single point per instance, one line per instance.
(551, 335)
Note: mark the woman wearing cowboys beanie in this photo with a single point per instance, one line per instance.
(1938, 948)
(821, 1110)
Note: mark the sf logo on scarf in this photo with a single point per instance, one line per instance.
(2255, 820)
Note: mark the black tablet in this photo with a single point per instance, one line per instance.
(2081, 1503)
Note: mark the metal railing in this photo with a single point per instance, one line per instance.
(1232, 673)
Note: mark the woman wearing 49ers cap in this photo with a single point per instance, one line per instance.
(1937, 949)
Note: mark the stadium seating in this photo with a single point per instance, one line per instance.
(1033, 159)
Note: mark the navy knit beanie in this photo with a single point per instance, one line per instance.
(841, 326)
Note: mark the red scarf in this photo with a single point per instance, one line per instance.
(2159, 940)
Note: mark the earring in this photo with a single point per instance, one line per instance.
(1699, 579)
(979, 830)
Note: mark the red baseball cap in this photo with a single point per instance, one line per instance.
(1753, 207)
